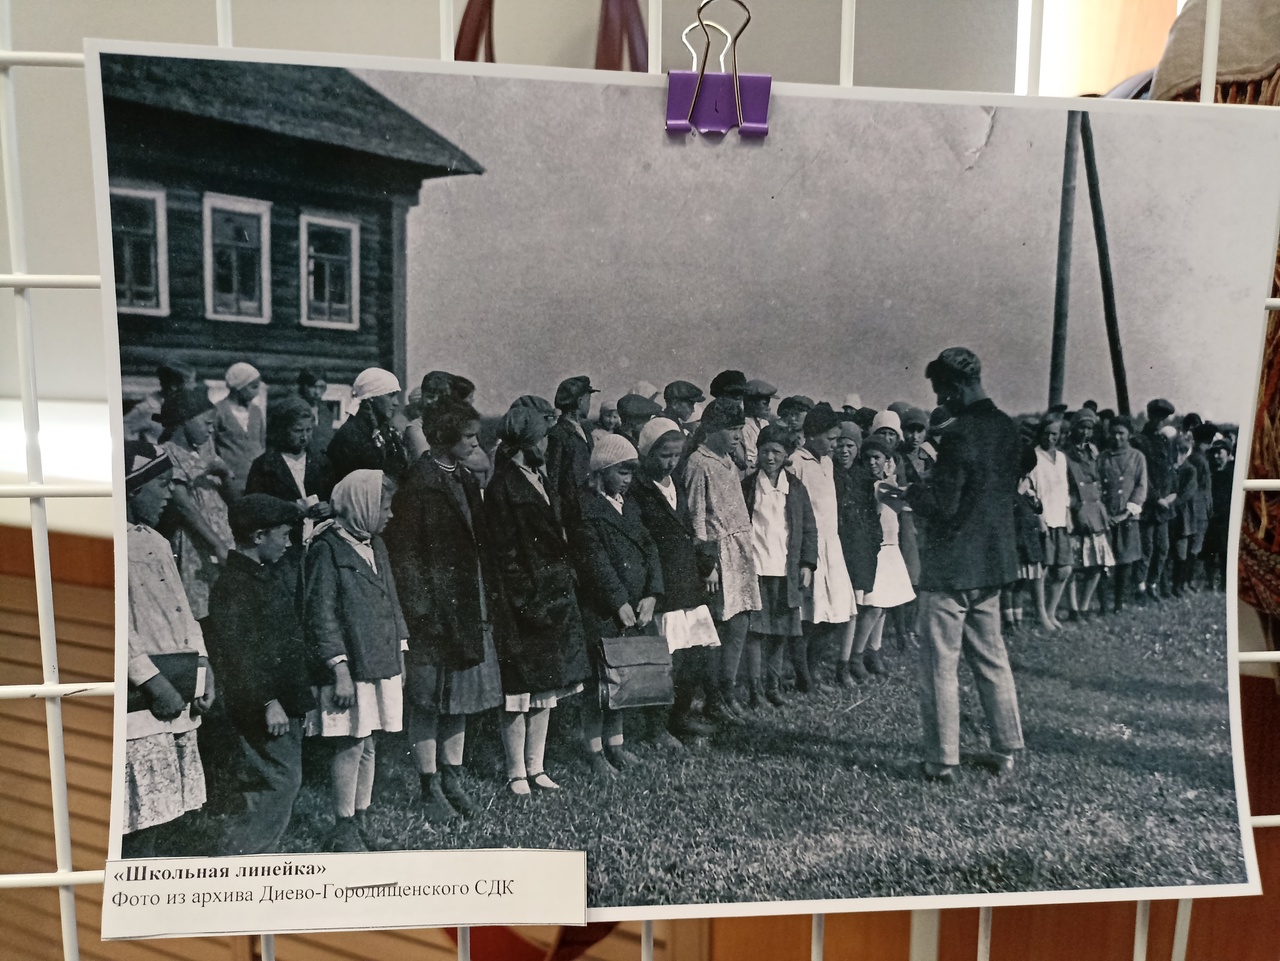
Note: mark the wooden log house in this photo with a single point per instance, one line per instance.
(258, 213)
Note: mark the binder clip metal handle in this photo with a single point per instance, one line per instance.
(717, 102)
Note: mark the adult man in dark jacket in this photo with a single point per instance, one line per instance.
(255, 639)
(569, 445)
(1157, 512)
(967, 503)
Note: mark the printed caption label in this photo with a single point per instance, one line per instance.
(178, 897)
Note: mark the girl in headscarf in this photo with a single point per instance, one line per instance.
(357, 632)
(368, 440)
(196, 521)
(545, 658)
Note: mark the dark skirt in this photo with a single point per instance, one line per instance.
(775, 616)
(442, 691)
(1126, 542)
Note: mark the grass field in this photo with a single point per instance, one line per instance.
(1126, 781)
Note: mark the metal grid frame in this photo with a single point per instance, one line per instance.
(924, 923)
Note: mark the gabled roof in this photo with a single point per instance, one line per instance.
(319, 104)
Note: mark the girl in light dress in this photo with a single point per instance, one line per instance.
(358, 635)
(892, 587)
(196, 520)
(829, 604)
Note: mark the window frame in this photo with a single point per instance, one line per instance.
(160, 200)
(239, 205)
(350, 224)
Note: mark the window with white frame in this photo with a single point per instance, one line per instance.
(330, 249)
(237, 259)
(140, 247)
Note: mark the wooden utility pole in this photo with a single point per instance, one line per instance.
(1104, 268)
(1062, 289)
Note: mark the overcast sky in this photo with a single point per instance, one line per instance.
(838, 255)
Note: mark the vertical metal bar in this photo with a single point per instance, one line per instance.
(817, 937)
(1181, 931)
(1140, 925)
(464, 944)
(35, 475)
(1035, 48)
(1062, 284)
(646, 941)
(848, 16)
(268, 947)
(925, 926)
(446, 29)
(654, 26)
(224, 23)
(1209, 60)
(984, 934)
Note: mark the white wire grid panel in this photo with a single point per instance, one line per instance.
(924, 924)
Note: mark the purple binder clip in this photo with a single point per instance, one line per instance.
(717, 102)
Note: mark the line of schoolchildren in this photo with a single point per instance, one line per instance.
(399, 577)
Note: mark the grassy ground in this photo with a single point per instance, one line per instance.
(1126, 781)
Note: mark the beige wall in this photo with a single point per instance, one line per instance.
(915, 43)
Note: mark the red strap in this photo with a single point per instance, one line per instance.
(620, 21)
(477, 22)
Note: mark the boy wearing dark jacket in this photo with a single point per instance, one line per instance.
(254, 635)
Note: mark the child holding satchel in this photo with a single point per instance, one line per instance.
(685, 618)
(621, 577)
(355, 628)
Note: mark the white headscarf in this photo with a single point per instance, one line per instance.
(241, 375)
(357, 501)
(374, 382)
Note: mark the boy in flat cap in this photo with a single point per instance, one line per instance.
(635, 411)
(729, 384)
(791, 414)
(681, 397)
(255, 639)
(569, 444)
(756, 398)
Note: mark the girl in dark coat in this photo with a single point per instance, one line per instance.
(684, 616)
(290, 423)
(448, 581)
(1026, 525)
(354, 627)
(544, 658)
(621, 577)
(859, 540)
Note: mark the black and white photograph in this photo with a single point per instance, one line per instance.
(797, 523)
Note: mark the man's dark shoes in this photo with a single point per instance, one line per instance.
(940, 773)
(1001, 765)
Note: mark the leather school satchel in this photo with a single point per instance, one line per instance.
(179, 668)
(636, 672)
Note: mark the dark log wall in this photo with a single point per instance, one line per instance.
(154, 148)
